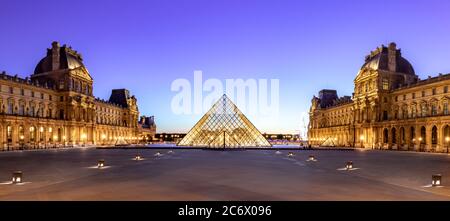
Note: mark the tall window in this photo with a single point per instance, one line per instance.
(433, 109)
(9, 133)
(21, 134)
(424, 110)
(10, 107)
(50, 134)
(445, 107)
(423, 93)
(385, 83)
(61, 84)
(32, 134)
(41, 134)
(21, 109)
(446, 89)
(413, 112)
(32, 110)
(433, 91)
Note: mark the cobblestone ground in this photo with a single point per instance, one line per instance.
(223, 175)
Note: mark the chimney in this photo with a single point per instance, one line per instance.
(55, 56)
(392, 57)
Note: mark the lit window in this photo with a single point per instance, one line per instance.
(385, 84)
(445, 108)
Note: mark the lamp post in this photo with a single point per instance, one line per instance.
(361, 138)
(21, 141)
(103, 139)
(447, 140)
(55, 138)
(83, 139)
(420, 143)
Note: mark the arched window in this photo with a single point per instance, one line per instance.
(385, 135)
(32, 134)
(402, 135)
(394, 136)
(9, 132)
(423, 134)
(434, 136)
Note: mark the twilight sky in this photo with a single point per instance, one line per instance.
(146, 45)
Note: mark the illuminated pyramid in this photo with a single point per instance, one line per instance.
(224, 126)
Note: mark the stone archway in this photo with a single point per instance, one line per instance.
(446, 137)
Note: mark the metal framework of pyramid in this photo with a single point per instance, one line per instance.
(224, 126)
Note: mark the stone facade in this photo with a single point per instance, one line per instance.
(391, 108)
(55, 107)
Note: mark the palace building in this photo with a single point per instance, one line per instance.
(391, 108)
(56, 107)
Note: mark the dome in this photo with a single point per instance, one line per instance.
(68, 59)
(379, 60)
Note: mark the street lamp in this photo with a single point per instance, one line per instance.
(361, 138)
(447, 140)
(83, 139)
(103, 139)
(55, 138)
(420, 143)
(64, 140)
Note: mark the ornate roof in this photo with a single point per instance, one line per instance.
(68, 59)
(379, 60)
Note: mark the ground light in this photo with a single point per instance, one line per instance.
(138, 157)
(436, 180)
(349, 165)
(277, 152)
(158, 154)
(170, 151)
(312, 158)
(101, 163)
(17, 177)
(291, 154)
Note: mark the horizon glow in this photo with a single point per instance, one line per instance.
(145, 45)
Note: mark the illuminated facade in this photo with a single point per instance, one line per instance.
(55, 107)
(391, 108)
(224, 126)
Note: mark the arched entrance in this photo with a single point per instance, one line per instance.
(446, 137)
(394, 135)
(402, 136)
(385, 136)
(434, 138)
(422, 138)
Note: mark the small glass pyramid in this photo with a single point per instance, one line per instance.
(224, 126)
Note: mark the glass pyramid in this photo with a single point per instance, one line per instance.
(224, 126)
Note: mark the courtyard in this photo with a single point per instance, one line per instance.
(195, 174)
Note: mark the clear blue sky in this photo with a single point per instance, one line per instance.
(145, 45)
